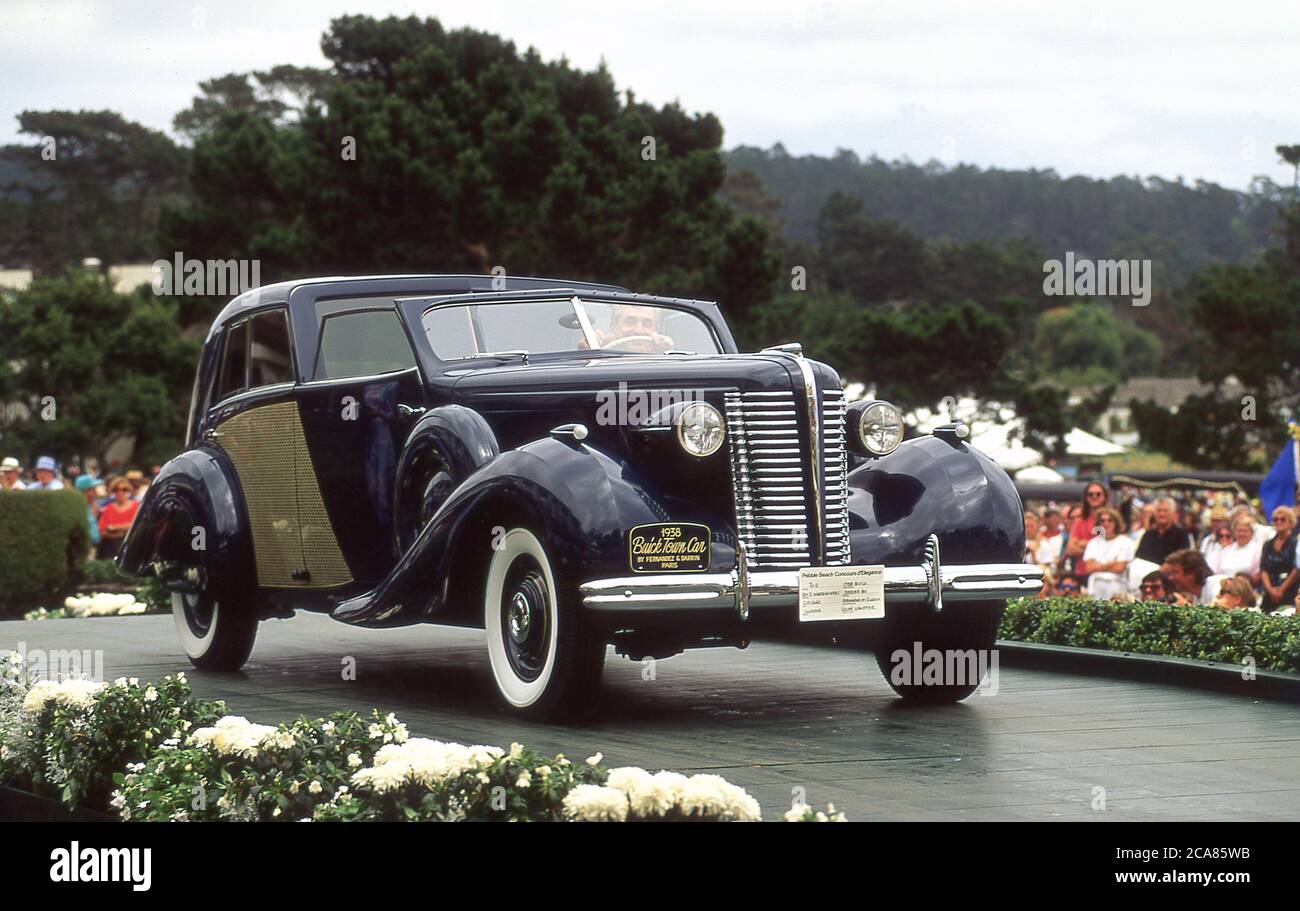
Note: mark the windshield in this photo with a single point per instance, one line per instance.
(467, 330)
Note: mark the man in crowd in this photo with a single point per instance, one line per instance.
(1166, 536)
(1187, 573)
(47, 477)
(1051, 541)
(10, 471)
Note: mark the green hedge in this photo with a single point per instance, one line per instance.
(1152, 628)
(44, 538)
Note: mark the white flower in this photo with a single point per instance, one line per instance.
(596, 760)
(235, 735)
(328, 727)
(594, 803)
(151, 694)
(649, 795)
(294, 788)
(354, 761)
(314, 788)
(524, 779)
(74, 693)
(544, 771)
(424, 762)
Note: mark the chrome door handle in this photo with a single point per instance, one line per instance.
(410, 411)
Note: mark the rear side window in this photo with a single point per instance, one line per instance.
(362, 343)
(234, 362)
(270, 361)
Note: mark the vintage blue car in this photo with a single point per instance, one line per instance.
(568, 466)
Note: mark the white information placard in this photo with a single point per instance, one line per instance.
(841, 593)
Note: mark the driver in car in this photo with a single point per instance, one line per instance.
(633, 328)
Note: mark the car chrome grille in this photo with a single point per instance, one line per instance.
(836, 467)
(769, 468)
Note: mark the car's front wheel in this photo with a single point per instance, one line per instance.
(930, 657)
(544, 662)
(215, 637)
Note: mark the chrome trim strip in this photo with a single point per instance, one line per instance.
(814, 451)
(780, 588)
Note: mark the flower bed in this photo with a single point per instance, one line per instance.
(1152, 628)
(154, 752)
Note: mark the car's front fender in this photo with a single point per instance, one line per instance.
(933, 485)
(573, 495)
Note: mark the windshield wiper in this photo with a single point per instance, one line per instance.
(520, 353)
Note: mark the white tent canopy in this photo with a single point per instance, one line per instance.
(1039, 474)
(994, 437)
(1081, 443)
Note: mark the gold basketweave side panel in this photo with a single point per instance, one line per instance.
(320, 549)
(269, 452)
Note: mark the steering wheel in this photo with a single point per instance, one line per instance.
(623, 341)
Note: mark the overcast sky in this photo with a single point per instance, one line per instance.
(1198, 90)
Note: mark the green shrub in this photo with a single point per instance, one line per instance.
(1152, 628)
(44, 539)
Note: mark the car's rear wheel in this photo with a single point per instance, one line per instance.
(215, 637)
(545, 663)
(930, 657)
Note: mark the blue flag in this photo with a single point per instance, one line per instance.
(1278, 487)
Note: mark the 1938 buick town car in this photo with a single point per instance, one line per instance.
(567, 466)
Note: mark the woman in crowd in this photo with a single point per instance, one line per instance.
(115, 518)
(1235, 593)
(1278, 574)
(1238, 552)
(1107, 556)
(1094, 498)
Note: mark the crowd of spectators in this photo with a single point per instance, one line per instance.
(111, 501)
(1209, 548)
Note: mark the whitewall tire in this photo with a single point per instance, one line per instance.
(543, 661)
(213, 638)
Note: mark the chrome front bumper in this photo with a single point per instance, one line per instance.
(928, 583)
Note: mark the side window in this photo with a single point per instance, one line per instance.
(234, 362)
(450, 332)
(270, 360)
(362, 343)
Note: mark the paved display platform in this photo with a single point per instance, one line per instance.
(777, 717)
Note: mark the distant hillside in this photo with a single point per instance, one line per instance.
(1182, 227)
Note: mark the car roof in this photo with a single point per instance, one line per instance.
(399, 285)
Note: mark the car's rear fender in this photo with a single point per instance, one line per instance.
(193, 515)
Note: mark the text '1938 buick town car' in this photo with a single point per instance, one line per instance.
(567, 466)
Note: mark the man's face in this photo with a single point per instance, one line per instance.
(1153, 590)
(9, 477)
(44, 475)
(1177, 578)
(1052, 523)
(1164, 515)
(634, 321)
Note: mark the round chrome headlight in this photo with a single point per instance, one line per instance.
(880, 428)
(700, 429)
